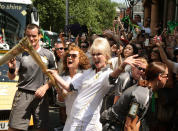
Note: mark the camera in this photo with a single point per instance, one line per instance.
(147, 42)
(143, 32)
(176, 51)
(133, 110)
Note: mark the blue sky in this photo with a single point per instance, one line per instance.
(119, 1)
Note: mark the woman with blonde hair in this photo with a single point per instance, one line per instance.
(92, 85)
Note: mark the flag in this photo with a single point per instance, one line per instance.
(45, 38)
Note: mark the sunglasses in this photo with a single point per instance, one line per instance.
(141, 69)
(164, 75)
(72, 55)
(59, 48)
(84, 46)
(97, 54)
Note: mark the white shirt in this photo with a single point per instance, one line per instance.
(147, 30)
(87, 105)
(69, 99)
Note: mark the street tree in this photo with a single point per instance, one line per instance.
(97, 15)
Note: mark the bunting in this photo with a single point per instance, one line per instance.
(171, 26)
(127, 20)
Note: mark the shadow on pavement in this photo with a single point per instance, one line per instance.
(54, 120)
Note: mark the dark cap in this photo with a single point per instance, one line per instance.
(176, 50)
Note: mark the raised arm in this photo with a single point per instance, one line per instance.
(119, 52)
(112, 35)
(122, 28)
(132, 124)
(130, 60)
(163, 55)
(59, 80)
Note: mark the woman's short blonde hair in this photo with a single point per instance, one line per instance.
(101, 45)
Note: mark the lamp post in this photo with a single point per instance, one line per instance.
(132, 2)
(67, 17)
(176, 14)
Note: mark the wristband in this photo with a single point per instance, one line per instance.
(112, 80)
(71, 87)
(11, 70)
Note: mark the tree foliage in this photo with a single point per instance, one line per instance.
(52, 14)
(97, 15)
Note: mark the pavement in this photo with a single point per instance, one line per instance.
(54, 119)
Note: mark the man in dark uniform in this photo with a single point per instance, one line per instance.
(30, 98)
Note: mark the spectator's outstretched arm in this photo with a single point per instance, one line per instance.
(114, 28)
(77, 40)
(132, 124)
(122, 28)
(119, 51)
(110, 34)
(163, 55)
(129, 60)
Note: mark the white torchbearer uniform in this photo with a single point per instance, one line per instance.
(85, 112)
(69, 99)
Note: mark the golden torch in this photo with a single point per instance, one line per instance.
(25, 45)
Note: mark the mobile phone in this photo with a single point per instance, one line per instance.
(146, 42)
(158, 38)
(133, 110)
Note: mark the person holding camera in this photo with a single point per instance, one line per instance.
(134, 103)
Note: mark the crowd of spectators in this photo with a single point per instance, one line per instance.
(106, 74)
(162, 47)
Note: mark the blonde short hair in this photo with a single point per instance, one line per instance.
(101, 45)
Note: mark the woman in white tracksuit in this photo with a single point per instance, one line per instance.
(92, 85)
(75, 62)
